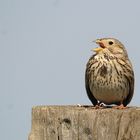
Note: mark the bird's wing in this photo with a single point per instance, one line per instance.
(131, 89)
(87, 80)
(129, 75)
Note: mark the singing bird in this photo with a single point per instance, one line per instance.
(109, 76)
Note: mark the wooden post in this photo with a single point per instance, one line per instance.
(84, 123)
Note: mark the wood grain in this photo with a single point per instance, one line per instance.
(84, 123)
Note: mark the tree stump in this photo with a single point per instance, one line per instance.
(84, 123)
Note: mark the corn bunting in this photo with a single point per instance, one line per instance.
(109, 76)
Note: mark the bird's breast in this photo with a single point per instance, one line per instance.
(107, 84)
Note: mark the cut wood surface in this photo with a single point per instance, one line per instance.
(84, 123)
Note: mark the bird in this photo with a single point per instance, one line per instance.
(109, 75)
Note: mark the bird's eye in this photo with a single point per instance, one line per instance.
(110, 42)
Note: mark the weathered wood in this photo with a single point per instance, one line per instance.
(84, 123)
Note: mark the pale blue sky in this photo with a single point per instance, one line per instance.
(44, 47)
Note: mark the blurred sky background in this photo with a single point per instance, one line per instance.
(44, 48)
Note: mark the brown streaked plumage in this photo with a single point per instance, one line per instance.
(109, 76)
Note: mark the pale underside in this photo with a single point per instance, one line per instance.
(108, 88)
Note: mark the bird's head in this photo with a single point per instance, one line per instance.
(110, 45)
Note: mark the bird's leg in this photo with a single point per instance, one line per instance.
(99, 105)
(121, 106)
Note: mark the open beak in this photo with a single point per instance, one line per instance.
(101, 46)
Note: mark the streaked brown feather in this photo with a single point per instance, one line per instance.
(111, 70)
(87, 78)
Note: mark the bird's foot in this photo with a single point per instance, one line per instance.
(100, 105)
(120, 107)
